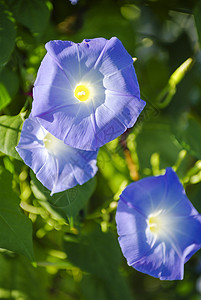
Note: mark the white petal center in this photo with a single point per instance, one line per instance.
(159, 223)
(54, 145)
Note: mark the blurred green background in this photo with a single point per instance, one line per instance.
(76, 252)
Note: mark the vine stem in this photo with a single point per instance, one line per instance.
(129, 160)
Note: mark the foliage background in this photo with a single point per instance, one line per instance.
(65, 247)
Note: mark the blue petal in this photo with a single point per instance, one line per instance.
(73, 2)
(75, 124)
(114, 58)
(76, 59)
(115, 102)
(51, 74)
(108, 125)
(131, 227)
(163, 251)
(30, 146)
(57, 170)
(135, 221)
(78, 123)
(176, 199)
(162, 262)
(52, 89)
(126, 108)
(123, 81)
(142, 250)
(62, 99)
(187, 233)
(145, 195)
(154, 193)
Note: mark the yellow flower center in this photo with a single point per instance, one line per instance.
(82, 92)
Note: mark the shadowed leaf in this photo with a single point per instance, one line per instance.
(16, 228)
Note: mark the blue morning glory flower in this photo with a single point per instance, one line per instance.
(73, 2)
(58, 166)
(158, 227)
(87, 94)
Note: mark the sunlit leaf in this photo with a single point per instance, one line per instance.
(9, 134)
(67, 203)
(9, 83)
(4, 96)
(16, 229)
(113, 166)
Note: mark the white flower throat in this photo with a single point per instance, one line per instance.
(159, 223)
(53, 145)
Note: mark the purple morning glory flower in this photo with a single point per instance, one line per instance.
(58, 166)
(87, 94)
(158, 227)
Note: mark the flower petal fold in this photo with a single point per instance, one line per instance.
(56, 165)
(161, 262)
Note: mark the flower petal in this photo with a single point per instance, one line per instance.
(73, 124)
(76, 59)
(62, 99)
(114, 58)
(51, 74)
(133, 239)
(57, 166)
(161, 262)
(124, 82)
(145, 195)
(158, 227)
(188, 234)
(128, 107)
(176, 199)
(102, 68)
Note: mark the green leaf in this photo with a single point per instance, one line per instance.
(114, 24)
(93, 287)
(197, 18)
(19, 277)
(16, 228)
(68, 203)
(157, 137)
(9, 134)
(9, 84)
(98, 254)
(188, 133)
(7, 35)
(33, 14)
(89, 253)
(112, 164)
(5, 98)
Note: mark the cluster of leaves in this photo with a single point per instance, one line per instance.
(66, 245)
